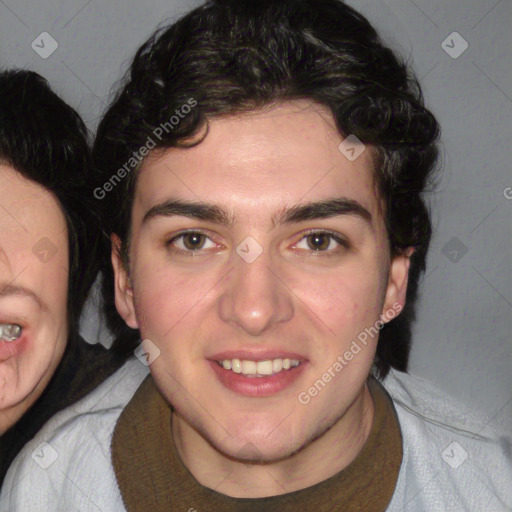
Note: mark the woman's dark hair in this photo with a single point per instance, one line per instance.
(46, 141)
(232, 56)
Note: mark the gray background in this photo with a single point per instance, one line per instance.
(462, 338)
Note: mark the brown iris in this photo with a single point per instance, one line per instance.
(318, 241)
(194, 241)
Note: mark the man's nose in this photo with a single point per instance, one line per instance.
(255, 298)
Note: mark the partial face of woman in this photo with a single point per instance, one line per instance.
(33, 292)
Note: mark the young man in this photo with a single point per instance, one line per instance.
(260, 175)
(48, 260)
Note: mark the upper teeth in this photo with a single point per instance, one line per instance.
(10, 332)
(259, 368)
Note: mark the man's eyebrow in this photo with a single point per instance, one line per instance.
(298, 213)
(323, 210)
(194, 210)
(9, 290)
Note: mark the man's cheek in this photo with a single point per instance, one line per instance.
(341, 305)
(161, 305)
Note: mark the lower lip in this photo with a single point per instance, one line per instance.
(12, 349)
(257, 386)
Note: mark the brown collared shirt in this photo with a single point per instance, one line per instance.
(151, 475)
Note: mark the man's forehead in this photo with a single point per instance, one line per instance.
(234, 169)
(226, 209)
(292, 129)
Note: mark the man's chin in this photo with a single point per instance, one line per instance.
(269, 441)
(257, 452)
(263, 447)
(272, 445)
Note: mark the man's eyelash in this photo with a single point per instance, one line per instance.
(181, 252)
(341, 241)
(191, 253)
(182, 234)
(332, 234)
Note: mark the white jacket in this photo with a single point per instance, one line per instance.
(453, 460)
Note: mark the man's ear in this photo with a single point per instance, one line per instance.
(397, 284)
(122, 285)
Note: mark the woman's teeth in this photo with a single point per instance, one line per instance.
(260, 368)
(9, 332)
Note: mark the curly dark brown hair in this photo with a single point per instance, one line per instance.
(233, 56)
(46, 141)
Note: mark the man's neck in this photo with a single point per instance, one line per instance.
(322, 458)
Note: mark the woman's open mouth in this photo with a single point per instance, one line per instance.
(11, 341)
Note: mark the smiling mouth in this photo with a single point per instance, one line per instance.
(266, 368)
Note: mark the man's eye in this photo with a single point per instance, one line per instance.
(191, 241)
(320, 241)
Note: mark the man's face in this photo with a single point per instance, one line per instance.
(259, 278)
(33, 291)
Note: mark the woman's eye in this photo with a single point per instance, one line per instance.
(10, 332)
(320, 242)
(191, 242)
